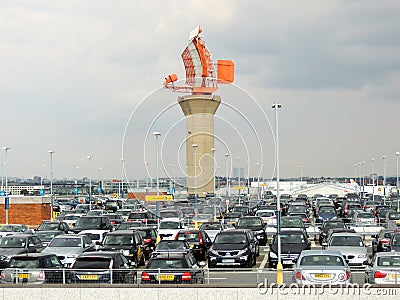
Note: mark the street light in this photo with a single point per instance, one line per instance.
(6, 199)
(121, 194)
(258, 181)
(99, 180)
(359, 179)
(90, 157)
(157, 134)
(363, 177)
(238, 168)
(373, 181)
(51, 152)
(194, 174)
(301, 175)
(397, 179)
(279, 267)
(227, 178)
(215, 208)
(384, 178)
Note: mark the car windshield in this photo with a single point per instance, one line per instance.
(128, 225)
(295, 222)
(329, 225)
(12, 242)
(46, 236)
(10, 228)
(265, 214)
(171, 245)
(394, 216)
(249, 222)
(89, 222)
(327, 210)
(352, 241)
(365, 215)
(147, 234)
(169, 214)
(189, 236)
(292, 239)
(389, 261)
(165, 264)
(169, 225)
(48, 226)
(211, 226)
(71, 218)
(117, 240)
(28, 262)
(92, 263)
(230, 239)
(66, 242)
(232, 215)
(322, 260)
(396, 241)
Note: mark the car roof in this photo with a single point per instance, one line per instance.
(123, 232)
(34, 254)
(98, 254)
(379, 254)
(346, 234)
(171, 220)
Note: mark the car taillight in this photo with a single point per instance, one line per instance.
(2, 275)
(145, 221)
(201, 239)
(186, 276)
(348, 275)
(379, 274)
(299, 276)
(145, 276)
(148, 241)
(385, 241)
(129, 220)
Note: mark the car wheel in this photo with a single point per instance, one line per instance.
(250, 262)
(258, 251)
(142, 261)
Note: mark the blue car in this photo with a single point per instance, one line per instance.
(326, 213)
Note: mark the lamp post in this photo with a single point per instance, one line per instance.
(227, 179)
(215, 208)
(238, 168)
(6, 199)
(373, 181)
(248, 180)
(359, 179)
(90, 157)
(355, 173)
(397, 179)
(157, 134)
(384, 178)
(301, 175)
(363, 176)
(194, 174)
(258, 181)
(279, 267)
(51, 152)
(121, 195)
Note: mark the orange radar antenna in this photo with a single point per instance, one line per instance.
(201, 76)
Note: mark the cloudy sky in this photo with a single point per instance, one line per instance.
(85, 77)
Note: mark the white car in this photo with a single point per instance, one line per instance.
(268, 216)
(169, 228)
(384, 268)
(96, 235)
(212, 228)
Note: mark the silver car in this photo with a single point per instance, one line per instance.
(67, 247)
(384, 268)
(321, 267)
(351, 245)
(364, 218)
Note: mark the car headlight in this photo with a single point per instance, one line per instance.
(213, 251)
(362, 256)
(125, 252)
(73, 256)
(243, 251)
(273, 254)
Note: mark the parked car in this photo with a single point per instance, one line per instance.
(293, 242)
(47, 236)
(381, 240)
(268, 216)
(255, 224)
(169, 227)
(326, 225)
(33, 268)
(145, 216)
(53, 225)
(92, 222)
(149, 236)
(384, 268)
(130, 225)
(321, 267)
(233, 248)
(14, 229)
(352, 247)
(326, 212)
(71, 219)
(212, 228)
(18, 244)
(364, 218)
(394, 244)
(67, 247)
(173, 246)
(198, 240)
(102, 267)
(128, 242)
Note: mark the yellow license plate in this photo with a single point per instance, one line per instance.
(166, 277)
(23, 275)
(398, 222)
(392, 276)
(266, 221)
(323, 276)
(191, 245)
(89, 277)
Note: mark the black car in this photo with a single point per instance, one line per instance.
(173, 246)
(328, 225)
(18, 244)
(245, 210)
(292, 243)
(101, 267)
(198, 240)
(233, 248)
(48, 235)
(145, 216)
(128, 242)
(53, 225)
(381, 240)
(149, 236)
(256, 224)
(394, 244)
(92, 223)
(33, 268)
(173, 267)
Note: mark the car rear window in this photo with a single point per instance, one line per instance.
(389, 261)
(167, 263)
(92, 263)
(29, 263)
(189, 236)
(321, 260)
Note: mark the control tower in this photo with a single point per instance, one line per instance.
(199, 107)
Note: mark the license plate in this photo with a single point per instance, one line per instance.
(266, 221)
(23, 275)
(398, 222)
(89, 277)
(287, 262)
(191, 245)
(166, 277)
(392, 276)
(228, 260)
(323, 276)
